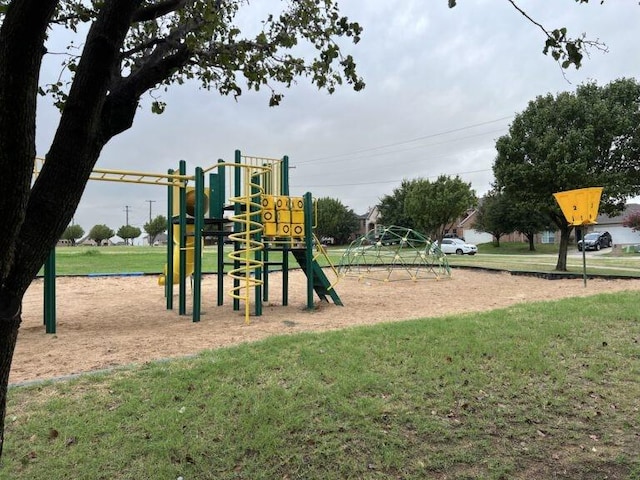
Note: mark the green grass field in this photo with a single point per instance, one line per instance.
(121, 259)
(541, 390)
(514, 256)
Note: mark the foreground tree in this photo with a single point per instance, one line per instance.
(335, 220)
(435, 206)
(573, 140)
(131, 47)
(155, 227)
(128, 232)
(72, 233)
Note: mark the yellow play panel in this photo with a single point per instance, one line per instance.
(580, 207)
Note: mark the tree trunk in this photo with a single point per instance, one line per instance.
(531, 237)
(565, 232)
(35, 217)
(10, 318)
(22, 34)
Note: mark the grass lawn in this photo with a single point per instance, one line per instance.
(123, 259)
(541, 390)
(516, 256)
(509, 256)
(518, 248)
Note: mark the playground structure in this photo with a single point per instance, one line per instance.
(394, 253)
(259, 218)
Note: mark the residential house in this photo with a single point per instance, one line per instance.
(463, 227)
(86, 241)
(368, 221)
(620, 234)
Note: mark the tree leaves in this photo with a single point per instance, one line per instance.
(565, 50)
(434, 206)
(199, 40)
(569, 141)
(335, 220)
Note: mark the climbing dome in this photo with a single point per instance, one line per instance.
(394, 253)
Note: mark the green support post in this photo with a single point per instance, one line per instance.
(50, 292)
(237, 190)
(308, 240)
(265, 279)
(268, 190)
(198, 223)
(255, 217)
(284, 174)
(182, 275)
(216, 211)
(284, 190)
(168, 277)
(220, 198)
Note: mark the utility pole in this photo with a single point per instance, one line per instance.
(150, 202)
(126, 209)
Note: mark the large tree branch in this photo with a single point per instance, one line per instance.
(121, 105)
(161, 46)
(151, 12)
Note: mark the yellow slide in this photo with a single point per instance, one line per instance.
(190, 243)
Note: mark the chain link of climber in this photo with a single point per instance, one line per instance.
(392, 254)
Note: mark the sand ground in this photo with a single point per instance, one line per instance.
(109, 321)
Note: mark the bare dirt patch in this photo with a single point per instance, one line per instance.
(109, 321)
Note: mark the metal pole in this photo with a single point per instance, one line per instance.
(150, 202)
(284, 190)
(50, 292)
(168, 274)
(220, 199)
(584, 258)
(198, 222)
(308, 250)
(182, 275)
(236, 225)
(257, 237)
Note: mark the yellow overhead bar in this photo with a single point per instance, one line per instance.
(127, 176)
(139, 177)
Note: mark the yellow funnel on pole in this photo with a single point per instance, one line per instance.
(580, 207)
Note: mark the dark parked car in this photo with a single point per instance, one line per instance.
(595, 241)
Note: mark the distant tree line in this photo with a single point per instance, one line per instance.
(100, 233)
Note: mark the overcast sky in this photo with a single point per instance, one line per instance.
(442, 85)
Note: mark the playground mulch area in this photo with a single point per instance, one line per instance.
(105, 322)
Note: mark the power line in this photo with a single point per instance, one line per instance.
(379, 154)
(388, 181)
(403, 142)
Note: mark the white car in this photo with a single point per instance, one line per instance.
(457, 246)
